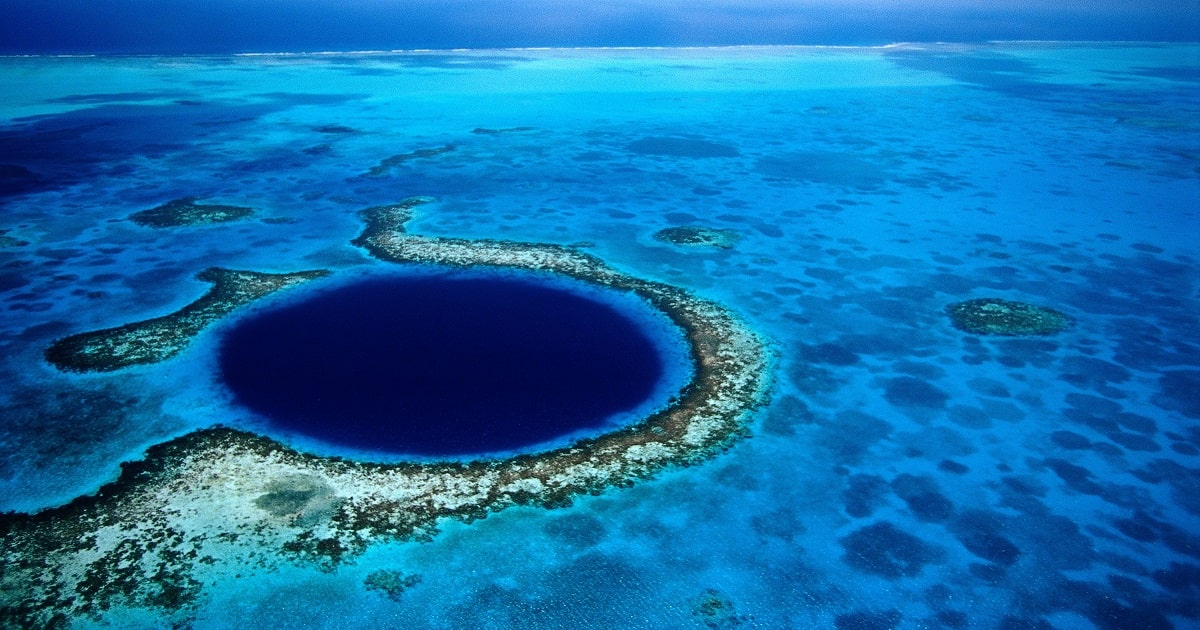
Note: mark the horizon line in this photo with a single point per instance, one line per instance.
(466, 50)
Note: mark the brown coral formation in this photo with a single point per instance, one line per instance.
(994, 316)
(391, 162)
(186, 211)
(161, 338)
(695, 235)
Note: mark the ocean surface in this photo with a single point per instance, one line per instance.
(904, 473)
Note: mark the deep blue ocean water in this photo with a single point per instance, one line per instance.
(904, 474)
(440, 365)
(228, 26)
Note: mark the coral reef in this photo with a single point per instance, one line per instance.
(388, 163)
(161, 338)
(715, 610)
(186, 211)
(694, 235)
(335, 129)
(10, 241)
(994, 316)
(219, 500)
(684, 147)
(390, 582)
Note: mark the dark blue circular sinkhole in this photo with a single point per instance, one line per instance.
(441, 364)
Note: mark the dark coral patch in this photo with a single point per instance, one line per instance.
(851, 435)
(786, 414)
(829, 353)
(393, 161)
(185, 211)
(907, 391)
(1070, 441)
(697, 236)
(951, 466)
(923, 498)
(863, 494)
(1077, 478)
(1135, 529)
(1088, 372)
(1180, 577)
(1135, 442)
(390, 582)
(953, 619)
(681, 147)
(9, 241)
(885, 550)
(1180, 391)
(335, 129)
(981, 533)
(16, 179)
(994, 316)
(824, 167)
(715, 610)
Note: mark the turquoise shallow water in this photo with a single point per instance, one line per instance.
(905, 474)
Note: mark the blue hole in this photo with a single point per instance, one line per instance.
(441, 364)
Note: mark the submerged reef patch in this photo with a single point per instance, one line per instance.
(161, 338)
(335, 129)
(698, 236)
(16, 179)
(219, 500)
(10, 241)
(186, 211)
(824, 167)
(994, 316)
(684, 147)
(715, 610)
(391, 582)
(386, 164)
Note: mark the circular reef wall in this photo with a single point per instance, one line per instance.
(220, 501)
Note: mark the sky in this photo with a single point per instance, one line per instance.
(220, 26)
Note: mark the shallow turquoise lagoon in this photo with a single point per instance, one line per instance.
(902, 474)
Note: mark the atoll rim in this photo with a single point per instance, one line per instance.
(994, 316)
(220, 496)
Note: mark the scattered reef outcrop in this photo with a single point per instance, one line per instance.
(335, 129)
(185, 211)
(10, 241)
(391, 582)
(388, 163)
(698, 236)
(994, 316)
